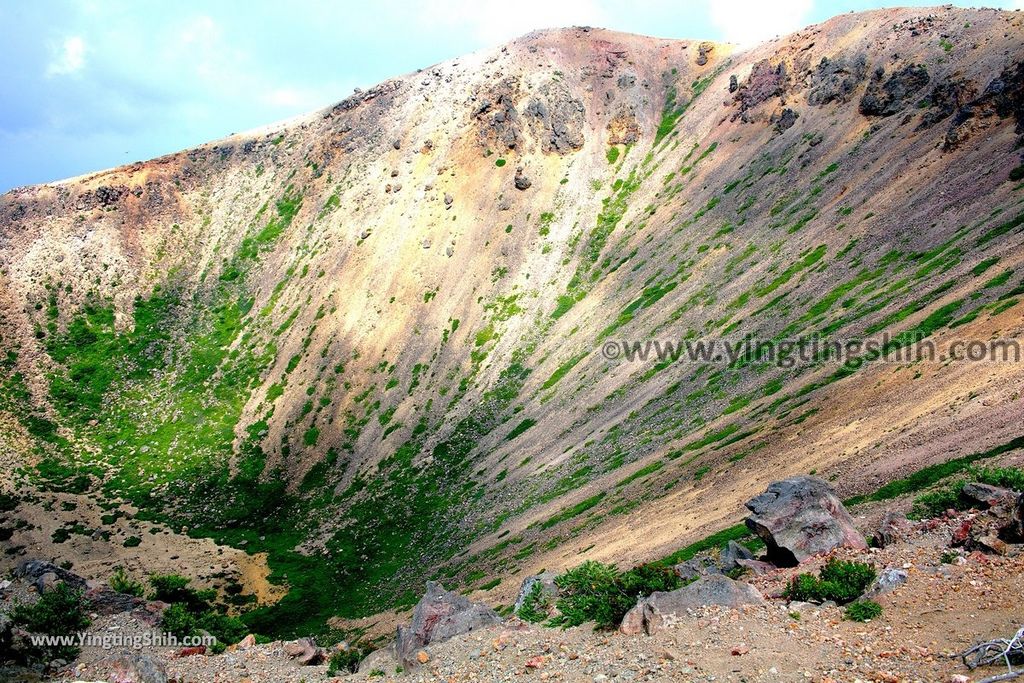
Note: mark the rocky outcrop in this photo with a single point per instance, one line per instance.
(556, 119)
(835, 80)
(986, 496)
(945, 99)
(656, 611)
(499, 127)
(1002, 97)
(765, 82)
(888, 96)
(801, 517)
(624, 128)
(438, 616)
(784, 120)
(43, 575)
(703, 50)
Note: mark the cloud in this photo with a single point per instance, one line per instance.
(492, 22)
(70, 58)
(748, 22)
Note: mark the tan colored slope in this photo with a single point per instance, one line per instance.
(377, 264)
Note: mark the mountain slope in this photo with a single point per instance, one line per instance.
(370, 342)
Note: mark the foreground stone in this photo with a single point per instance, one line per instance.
(987, 496)
(801, 517)
(656, 612)
(304, 651)
(44, 575)
(135, 668)
(438, 616)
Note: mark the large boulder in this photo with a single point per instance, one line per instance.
(44, 574)
(384, 660)
(986, 496)
(304, 651)
(658, 610)
(134, 668)
(888, 96)
(438, 616)
(801, 517)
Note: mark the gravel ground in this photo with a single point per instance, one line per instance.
(941, 610)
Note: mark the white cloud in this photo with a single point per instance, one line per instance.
(748, 22)
(70, 58)
(492, 22)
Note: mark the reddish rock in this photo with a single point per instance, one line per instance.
(962, 533)
(801, 517)
(438, 616)
(191, 651)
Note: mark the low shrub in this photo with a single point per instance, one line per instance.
(600, 593)
(122, 583)
(535, 605)
(58, 612)
(347, 661)
(862, 610)
(193, 610)
(841, 581)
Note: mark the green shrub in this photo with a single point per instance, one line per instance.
(535, 605)
(863, 610)
(179, 620)
(122, 583)
(600, 593)
(132, 542)
(841, 581)
(192, 610)
(1017, 173)
(347, 661)
(58, 612)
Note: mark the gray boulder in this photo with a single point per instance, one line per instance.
(651, 613)
(438, 616)
(548, 589)
(44, 575)
(727, 561)
(135, 668)
(889, 580)
(383, 659)
(986, 495)
(304, 651)
(696, 567)
(801, 517)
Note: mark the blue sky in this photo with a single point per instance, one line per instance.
(91, 84)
